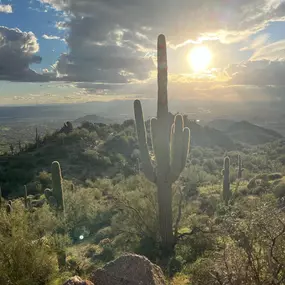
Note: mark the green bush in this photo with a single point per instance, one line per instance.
(274, 176)
(25, 255)
(103, 234)
(279, 190)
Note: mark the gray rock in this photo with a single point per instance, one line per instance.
(129, 269)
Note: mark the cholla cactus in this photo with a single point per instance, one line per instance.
(239, 169)
(55, 196)
(170, 142)
(226, 182)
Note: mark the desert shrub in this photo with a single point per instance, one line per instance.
(274, 176)
(210, 166)
(279, 190)
(136, 211)
(251, 237)
(34, 188)
(45, 179)
(258, 180)
(281, 159)
(103, 234)
(25, 256)
(84, 209)
(259, 190)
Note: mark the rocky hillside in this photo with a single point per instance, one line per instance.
(245, 132)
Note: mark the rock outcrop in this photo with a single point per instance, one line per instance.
(76, 280)
(129, 269)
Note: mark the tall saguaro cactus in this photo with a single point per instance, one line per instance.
(170, 142)
(226, 183)
(55, 196)
(239, 169)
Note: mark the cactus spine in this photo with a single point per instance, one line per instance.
(170, 145)
(226, 183)
(239, 169)
(55, 196)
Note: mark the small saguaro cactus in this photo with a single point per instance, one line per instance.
(226, 182)
(26, 197)
(9, 208)
(239, 169)
(0, 197)
(55, 196)
(170, 143)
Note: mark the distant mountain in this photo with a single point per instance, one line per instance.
(245, 131)
(221, 124)
(208, 137)
(252, 134)
(94, 119)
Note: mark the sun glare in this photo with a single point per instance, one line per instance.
(200, 58)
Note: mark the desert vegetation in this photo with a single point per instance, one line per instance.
(77, 198)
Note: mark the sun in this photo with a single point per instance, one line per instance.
(200, 58)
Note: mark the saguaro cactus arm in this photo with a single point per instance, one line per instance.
(147, 166)
(180, 142)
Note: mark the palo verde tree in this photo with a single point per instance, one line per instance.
(170, 143)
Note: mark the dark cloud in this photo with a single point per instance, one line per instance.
(17, 52)
(180, 20)
(108, 63)
(114, 41)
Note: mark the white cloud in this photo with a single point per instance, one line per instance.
(6, 9)
(61, 25)
(50, 37)
(273, 52)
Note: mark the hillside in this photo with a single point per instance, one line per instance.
(221, 124)
(95, 119)
(252, 134)
(111, 208)
(245, 131)
(208, 137)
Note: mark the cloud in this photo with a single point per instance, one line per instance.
(47, 37)
(114, 41)
(18, 50)
(258, 42)
(273, 52)
(61, 25)
(259, 73)
(229, 20)
(6, 9)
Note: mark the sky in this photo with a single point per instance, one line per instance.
(69, 51)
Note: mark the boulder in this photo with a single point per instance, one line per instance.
(129, 269)
(76, 280)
